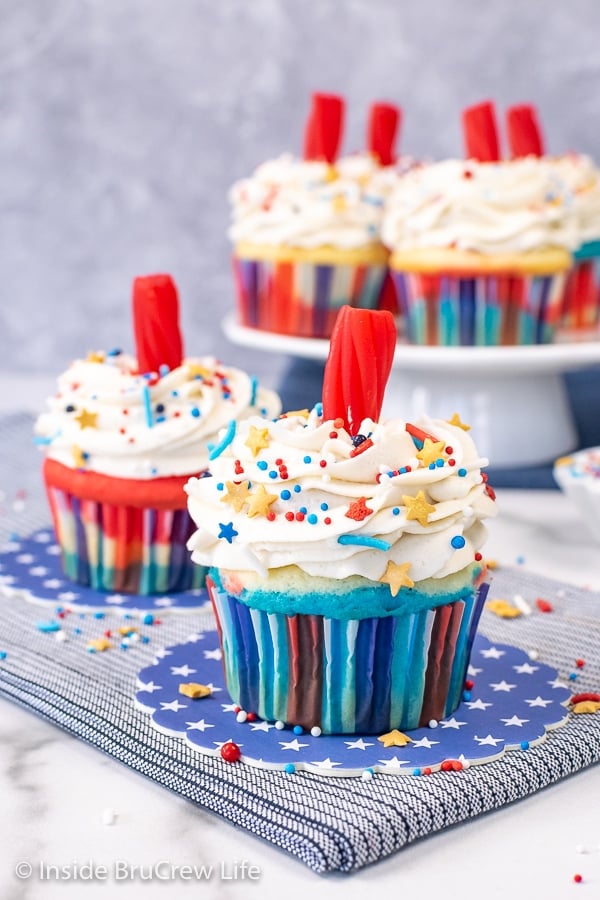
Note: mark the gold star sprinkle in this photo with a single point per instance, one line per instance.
(418, 508)
(430, 451)
(95, 356)
(331, 174)
(237, 494)
(300, 413)
(126, 630)
(585, 706)
(394, 738)
(396, 575)
(195, 691)
(78, 457)
(503, 609)
(455, 420)
(86, 419)
(258, 439)
(197, 371)
(564, 461)
(260, 501)
(99, 645)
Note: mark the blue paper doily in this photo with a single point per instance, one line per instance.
(513, 704)
(30, 568)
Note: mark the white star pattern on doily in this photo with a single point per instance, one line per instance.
(53, 583)
(213, 687)
(115, 599)
(25, 559)
(515, 720)
(150, 687)
(478, 704)
(473, 672)
(451, 723)
(11, 547)
(229, 707)
(38, 571)
(488, 740)
(193, 638)
(291, 745)
(173, 706)
(163, 602)
(42, 537)
(261, 726)
(200, 725)
(538, 701)
(359, 744)
(183, 670)
(219, 744)
(66, 596)
(502, 686)
(425, 742)
(162, 652)
(325, 763)
(557, 683)
(492, 653)
(53, 550)
(213, 654)
(525, 669)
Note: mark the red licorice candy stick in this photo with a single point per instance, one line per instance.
(524, 132)
(382, 131)
(481, 133)
(358, 366)
(324, 128)
(156, 323)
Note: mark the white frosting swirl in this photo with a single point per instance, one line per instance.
(108, 418)
(252, 516)
(582, 178)
(505, 207)
(298, 203)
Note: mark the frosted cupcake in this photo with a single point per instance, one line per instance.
(306, 232)
(121, 437)
(480, 249)
(345, 552)
(579, 175)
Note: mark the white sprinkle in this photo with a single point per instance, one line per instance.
(279, 725)
(366, 775)
(241, 716)
(433, 723)
(533, 654)
(522, 604)
(60, 636)
(315, 731)
(109, 816)
(466, 764)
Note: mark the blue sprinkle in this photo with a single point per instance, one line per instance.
(324, 506)
(154, 470)
(77, 631)
(364, 540)
(116, 351)
(124, 646)
(416, 771)
(262, 464)
(3, 654)
(370, 770)
(524, 745)
(227, 531)
(297, 488)
(312, 519)
(285, 494)
(253, 389)
(458, 542)
(307, 459)
(298, 729)
(174, 393)
(148, 619)
(99, 615)
(127, 616)
(303, 509)
(273, 473)
(225, 440)
(319, 409)
(43, 441)
(147, 405)
(439, 463)
(396, 511)
(290, 768)
(163, 370)
(220, 486)
(432, 465)
(573, 676)
(47, 627)
(467, 695)
(462, 473)
(195, 412)
(145, 639)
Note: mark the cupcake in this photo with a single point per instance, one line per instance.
(121, 437)
(306, 232)
(480, 249)
(346, 573)
(580, 176)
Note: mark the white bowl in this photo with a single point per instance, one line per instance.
(578, 475)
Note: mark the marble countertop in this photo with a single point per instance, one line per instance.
(56, 791)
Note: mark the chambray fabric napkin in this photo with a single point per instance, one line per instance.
(329, 823)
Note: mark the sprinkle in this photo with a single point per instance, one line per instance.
(224, 442)
(253, 389)
(543, 605)
(195, 691)
(503, 609)
(47, 627)
(433, 723)
(298, 729)
(367, 774)
(394, 738)
(98, 645)
(461, 473)
(230, 752)
(227, 531)
(279, 725)
(358, 510)
(524, 745)
(364, 540)
(577, 878)
(297, 489)
(312, 519)
(315, 731)
(307, 459)
(195, 412)
(241, 716)
(580, 663)
(289, 768)
(458, 542)
(147, 405)
(3, 654)
(262, 464)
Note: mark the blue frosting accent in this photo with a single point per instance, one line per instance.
(225, 442)
(147, 406)
(364, 540)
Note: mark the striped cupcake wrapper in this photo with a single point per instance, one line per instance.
(124, 548)
(302, 298)
(347, 677)
(581, 303)
(488, 310)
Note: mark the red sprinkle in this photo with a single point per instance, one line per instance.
(452, 461)
(469, 685)
(449, 450)
(338, 423)
(230, 752)
(327, 520)
(289, 516)
(237, 709)
(279, 461)
(251, 717)
(358, 510)
(427, 771)
(270, 516)
(577, 878)
(478, 556)
(543, 605)
(299, 517)
(333, 434)
(322, 463)
(580, 663)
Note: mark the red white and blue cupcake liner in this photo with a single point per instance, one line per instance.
(482, 310)
(347, 676)
(302, 298)
(581, 302)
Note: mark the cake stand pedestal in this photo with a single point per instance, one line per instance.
(513, 398)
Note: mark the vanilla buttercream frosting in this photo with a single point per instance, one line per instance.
(582, 178)
(299, 203)
(300, 491)
(108, 418)
(506, 207)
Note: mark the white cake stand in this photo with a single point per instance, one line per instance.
(513, 397)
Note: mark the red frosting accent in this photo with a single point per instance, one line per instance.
(156, 323)
(524, 133)
(324, 128)
(481, 133)
(384, 123)
(358, 366)
(154, 493)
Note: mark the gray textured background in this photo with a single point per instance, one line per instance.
(123, 123)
